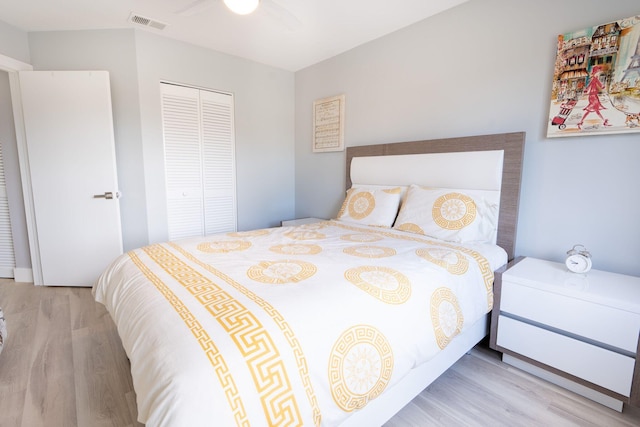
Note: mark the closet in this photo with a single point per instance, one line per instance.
(199, 149)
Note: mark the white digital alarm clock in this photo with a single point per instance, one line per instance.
(578, 259)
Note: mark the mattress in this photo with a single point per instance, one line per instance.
(294, 325)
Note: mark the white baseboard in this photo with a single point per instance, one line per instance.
(23, 275)
(6, 272)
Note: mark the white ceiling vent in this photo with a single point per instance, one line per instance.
(138, 19)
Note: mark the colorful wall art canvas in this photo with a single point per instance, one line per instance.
(596, 81)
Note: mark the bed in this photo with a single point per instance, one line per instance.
(337, 322)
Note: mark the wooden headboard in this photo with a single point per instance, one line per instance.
(512, 144)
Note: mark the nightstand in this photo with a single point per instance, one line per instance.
(300, 221)
(578, 331)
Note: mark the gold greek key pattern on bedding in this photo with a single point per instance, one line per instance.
(384, 283)
(452, 261)
(367, 251)
(296, 249)
(281, 272)
(206, 343)
(279, 320)
(446, 316)
(454, 211)
(483, 264)
(224, 246)
(360, 366)
(251, 338)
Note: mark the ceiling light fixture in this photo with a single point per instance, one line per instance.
(242, 7)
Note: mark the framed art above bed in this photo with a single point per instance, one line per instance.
(328, 124)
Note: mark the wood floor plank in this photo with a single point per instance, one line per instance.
(51, 389)
(14, 365)
(426, 411)
(517, 401)
(561, 403)
(133, 410)
(63, 365)
(510, 398)
(455, 390)
(102, 380)
(17, 297)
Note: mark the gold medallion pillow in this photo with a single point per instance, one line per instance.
(449, 214)
(371, 206)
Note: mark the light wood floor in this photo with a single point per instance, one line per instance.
(63, 365)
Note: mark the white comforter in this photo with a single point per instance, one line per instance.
(288, 326)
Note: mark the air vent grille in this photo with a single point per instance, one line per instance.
(138, 19)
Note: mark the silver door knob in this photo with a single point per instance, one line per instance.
(107, 195)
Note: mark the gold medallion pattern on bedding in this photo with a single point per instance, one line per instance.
(244, 298)
(360, 367)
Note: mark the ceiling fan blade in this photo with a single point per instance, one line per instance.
(195, 7)
(281, 14)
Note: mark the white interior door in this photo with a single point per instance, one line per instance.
(70, 146)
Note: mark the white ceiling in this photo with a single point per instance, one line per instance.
(288, 34)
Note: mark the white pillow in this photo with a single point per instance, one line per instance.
(403, 188)
(367, 205)
(449, 214)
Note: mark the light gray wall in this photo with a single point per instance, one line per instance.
(14, 44)
(137, 61)
(264, 125)
(114, 51)
(484, 67)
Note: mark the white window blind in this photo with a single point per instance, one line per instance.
(7, 257)
(199, 161)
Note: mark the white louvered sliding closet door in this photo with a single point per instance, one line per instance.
(199, 161)
(218, 158)
(7, 258)
(182, 160)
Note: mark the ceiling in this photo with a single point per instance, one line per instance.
(287, 34)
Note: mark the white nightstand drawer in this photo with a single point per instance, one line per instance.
(594, 364)
(605, 324)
